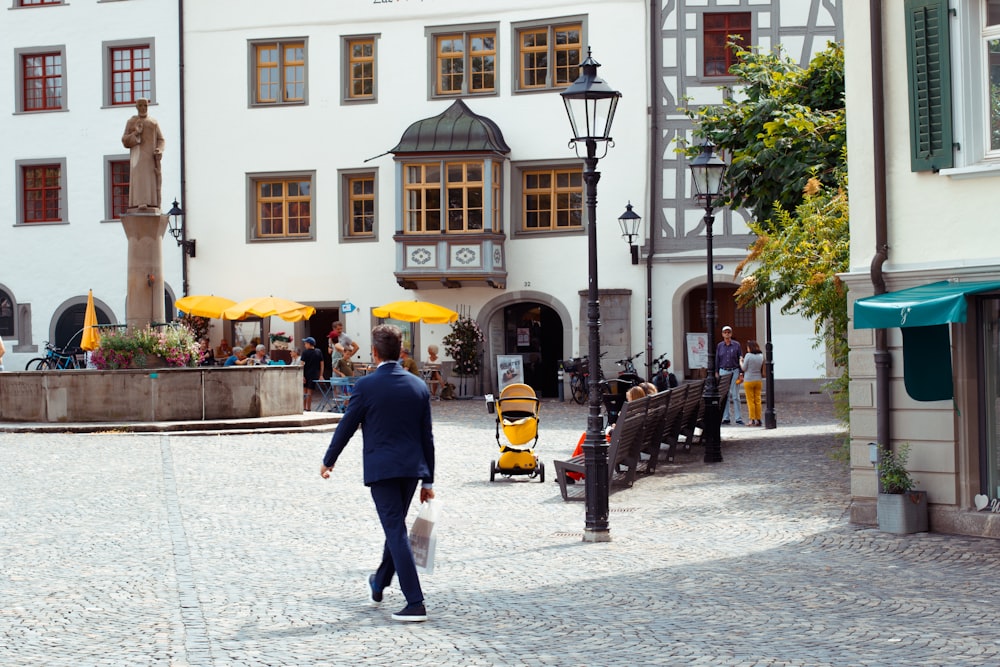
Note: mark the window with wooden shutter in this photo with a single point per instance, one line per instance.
(929, 74)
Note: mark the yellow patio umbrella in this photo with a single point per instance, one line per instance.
(416, 311)
(91, 336)
(204, 305)
(266, 306)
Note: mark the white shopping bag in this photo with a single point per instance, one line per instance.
(423, 536)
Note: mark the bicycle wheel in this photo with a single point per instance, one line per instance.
(576, 387)
(38, 364)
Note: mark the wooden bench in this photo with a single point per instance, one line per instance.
(623, 451)
(685, 423)
(659, 403)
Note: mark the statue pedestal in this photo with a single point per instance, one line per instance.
(144, 299)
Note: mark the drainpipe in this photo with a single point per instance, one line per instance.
(653, 216)
(882, 359)
(183, 154)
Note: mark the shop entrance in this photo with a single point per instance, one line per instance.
(742, 320)
(535, 331)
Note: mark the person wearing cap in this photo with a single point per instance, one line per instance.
(727, 359)
(312, 370)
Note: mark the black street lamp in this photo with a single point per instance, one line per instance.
(590, 104)
(629, 222)
(179, 232)
(708, 171)
(770, 419)
(177, 229)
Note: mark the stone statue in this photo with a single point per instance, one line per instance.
(144, 139)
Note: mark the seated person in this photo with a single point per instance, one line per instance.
(223, 351)
(432, 370)
(238, 358)
(205, 355)
(259, 357)
(572, 477)
(408, 362)
(296, 357)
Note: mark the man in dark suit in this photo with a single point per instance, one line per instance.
(392, 407)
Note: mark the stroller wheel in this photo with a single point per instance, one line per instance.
(493, 470)
(541, 471)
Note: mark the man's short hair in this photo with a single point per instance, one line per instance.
(387, 341)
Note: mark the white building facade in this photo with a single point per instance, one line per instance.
(76, 70)
(925, 265)
(367, 107)
(356, 153)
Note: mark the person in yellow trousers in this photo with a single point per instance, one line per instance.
(752, 367)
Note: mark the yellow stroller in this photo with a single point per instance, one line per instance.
(517, 413)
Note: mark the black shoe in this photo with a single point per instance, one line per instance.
(376, 592)
(725, 422)
(738, 421)
(411, 613)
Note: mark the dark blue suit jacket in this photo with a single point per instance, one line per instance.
(392, 407)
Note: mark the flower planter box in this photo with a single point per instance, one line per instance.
(144, 395)
(902, 513)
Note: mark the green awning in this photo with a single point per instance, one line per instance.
(936, 303)
(923, 315)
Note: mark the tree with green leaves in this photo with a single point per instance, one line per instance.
(782, 125)
(785, 131)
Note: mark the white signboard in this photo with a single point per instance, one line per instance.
(510, 369)
(697, 350)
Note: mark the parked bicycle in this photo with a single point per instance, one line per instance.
(579, 377)
(57, 358)
(628, 371)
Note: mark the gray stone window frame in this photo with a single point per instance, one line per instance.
(19, 166)
(106, 48)
(108, 204)
(344, 176)
(433, 32)
(8, 334)
(252, 45)
(550, 23)
(487, 161)
(251, 202)
(700, 51)
(16, 4)
(20, 341)
(517, 170)
(19, 75)
(345, 69)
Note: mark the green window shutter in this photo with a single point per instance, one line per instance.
(929, 72)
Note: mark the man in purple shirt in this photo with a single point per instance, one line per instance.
(727, 359)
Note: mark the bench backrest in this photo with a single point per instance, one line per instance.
(671, 426)
(655, 414)
(628, 433)
(693, 405)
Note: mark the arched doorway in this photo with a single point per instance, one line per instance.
(742, 320)
(534, 331)
(69, 326)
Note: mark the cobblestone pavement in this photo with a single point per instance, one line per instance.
(208, 550)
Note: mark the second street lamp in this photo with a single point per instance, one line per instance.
(629, 222)
(590, 104)
(707, 172)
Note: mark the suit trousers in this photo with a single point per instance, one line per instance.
(392, 501)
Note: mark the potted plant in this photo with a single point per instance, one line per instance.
(280, 340)
(901, 509)
(173, 346)
(462, 345)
